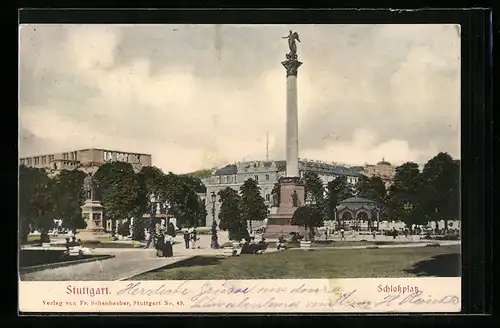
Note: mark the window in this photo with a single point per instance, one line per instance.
(37, 160)
(267, 177)
(268, 197)
(256, 178)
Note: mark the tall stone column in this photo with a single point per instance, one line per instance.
(292, 65)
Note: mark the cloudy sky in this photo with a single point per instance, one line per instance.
(198, 96)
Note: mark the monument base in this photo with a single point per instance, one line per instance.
(292, 196)
(92, 212)
(92, 235)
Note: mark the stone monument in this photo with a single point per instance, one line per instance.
(292, 193)
(92, 212)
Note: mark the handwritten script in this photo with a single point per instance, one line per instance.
(295, 295)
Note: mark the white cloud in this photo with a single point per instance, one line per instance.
(381, 89)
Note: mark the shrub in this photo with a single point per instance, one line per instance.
(138, 229)
(433, 245)
(124, 229)
(292, 245)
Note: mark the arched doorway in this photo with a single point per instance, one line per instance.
(346, 216)
(358, 209)
(362, 216)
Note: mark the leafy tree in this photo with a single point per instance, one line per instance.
(184, 201)
(29, 180)
(124, 228)
(337, 190)
(308, 217)
(441, 185)
(313, 188)
(194, 182)
(405, 197)
(229, 216)
(68, 198)
(372, 189)
(151, 179)
(201, 214)
(123, 196)
(252, 205)
(138, 226)
(42, 203)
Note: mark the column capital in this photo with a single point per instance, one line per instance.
(292, 66)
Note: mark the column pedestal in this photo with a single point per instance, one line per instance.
(280, 224)
(92, 212)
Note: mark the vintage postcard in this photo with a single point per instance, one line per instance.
(239, 168)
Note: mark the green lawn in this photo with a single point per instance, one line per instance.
(441, 261)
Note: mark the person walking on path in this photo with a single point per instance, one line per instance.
(167, 246)
(186, 239)
(194, 238)
(342, 236)
(160, 244)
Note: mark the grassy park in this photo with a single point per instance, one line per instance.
(443, 261)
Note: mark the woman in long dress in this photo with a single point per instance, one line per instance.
(167, 248)
(159, 244)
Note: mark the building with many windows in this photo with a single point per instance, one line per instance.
(383, 169)
(267, 174)
(87, 160)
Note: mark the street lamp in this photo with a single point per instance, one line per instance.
(215, 243)
(152, 220)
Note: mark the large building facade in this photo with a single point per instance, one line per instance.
(86, 160)
(267, 174)
(383, 169)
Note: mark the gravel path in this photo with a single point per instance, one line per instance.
(125, 264)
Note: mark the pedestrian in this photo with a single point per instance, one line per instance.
(186, 239)
(160, 244)
(373, 233)
(167, 246)
(194, 238)
(281, 243)
(342, 236)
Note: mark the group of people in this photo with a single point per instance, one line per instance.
(190, 238)
(164, 243)
(251, 247)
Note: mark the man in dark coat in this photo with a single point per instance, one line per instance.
(186, 239)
